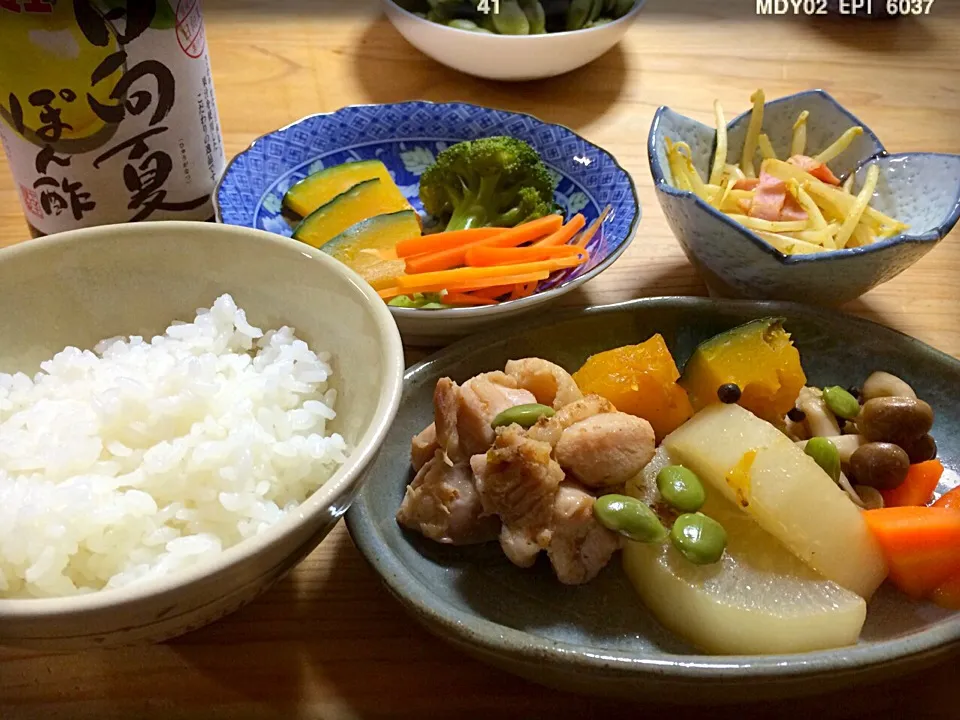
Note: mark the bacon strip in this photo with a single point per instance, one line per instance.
(818, 169)
(746, 184)
(791, 210)
(768, 198)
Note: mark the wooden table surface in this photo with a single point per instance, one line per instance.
(328, 641)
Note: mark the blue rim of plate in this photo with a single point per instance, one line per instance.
(560, 283)
(662, 185)
(490, 637)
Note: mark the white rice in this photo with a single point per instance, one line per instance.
(144, 457)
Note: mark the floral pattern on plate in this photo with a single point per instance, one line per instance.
(407, 137)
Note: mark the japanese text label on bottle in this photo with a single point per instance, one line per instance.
(107, 111)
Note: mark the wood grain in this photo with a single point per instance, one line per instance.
(328, 641)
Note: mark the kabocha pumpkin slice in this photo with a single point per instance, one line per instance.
(375, 236)
(364, 200)
(321, 187)
(369, 246)
(380, 273)
(640, 380)
(759, 358)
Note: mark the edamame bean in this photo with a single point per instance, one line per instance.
(824, 454)
(700, 539)
(523, 415)
(841, 403)
(681, 488)
(629, 517)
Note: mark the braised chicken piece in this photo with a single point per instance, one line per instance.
(549, 430)
(423, 446)
(463, 413)
(446, 406)
(482, 398)
(606, 450)
(442, 504)
(518, 480)
(580, 547)
(530, 489)
(550, 383)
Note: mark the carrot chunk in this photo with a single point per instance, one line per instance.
(921, 545)
(918, 488)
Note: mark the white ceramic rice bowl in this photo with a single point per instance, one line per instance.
(79, 287)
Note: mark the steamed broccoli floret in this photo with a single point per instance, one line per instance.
(496, 181)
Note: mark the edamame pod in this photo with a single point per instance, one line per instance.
(536, 16)
(511, 20)
(595, 11)
(463, 24)
(578, 13)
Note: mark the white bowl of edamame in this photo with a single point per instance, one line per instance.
(513, 40)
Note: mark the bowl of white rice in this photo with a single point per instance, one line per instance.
(186, 410)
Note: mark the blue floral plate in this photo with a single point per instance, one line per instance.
(407, 137)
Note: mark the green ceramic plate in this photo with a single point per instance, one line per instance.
(599, 638)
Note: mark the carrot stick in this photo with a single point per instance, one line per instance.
(459, 298)
(466, 274)
(480, 284)
(523, 290)
(488, 256)
(950, 500)
(587, 235)
(564, 234)
(492, 293)
(465, 285)
(921, 545)
(443, 240)
(512, 237)
(918, 488)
